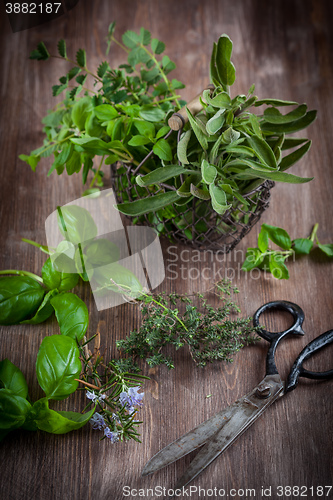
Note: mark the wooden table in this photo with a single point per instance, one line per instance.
(286, 48)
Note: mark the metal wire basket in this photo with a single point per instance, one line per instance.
(195, 223)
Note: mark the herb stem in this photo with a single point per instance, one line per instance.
(97, 172)
(314, 232)
(23, 273)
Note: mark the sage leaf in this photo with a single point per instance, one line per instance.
(20, 297)
(72, 315)
(273, 176)
(225, 68)
(13, 410)
(292, 158)
(230, 135)
(58, 422)
(199, 193)
(58, 365)
(263, 151)
(291, 127)
(185, 189)
(278, 236)
(275, 102)
(219, 199)
(13, 379)
(147, 205)
(221, 100)
(302, 246)
(215, 123)
(161, 174)
(208, 172)
(273, 115)
(202, 138)
(163, 150)
(182, 147)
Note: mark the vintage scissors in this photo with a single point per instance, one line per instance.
(221, 430)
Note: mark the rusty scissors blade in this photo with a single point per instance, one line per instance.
(220, 431)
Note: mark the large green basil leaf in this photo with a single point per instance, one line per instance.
(55, 279)
(72, 315)
(13, 410)
(20, 297)
(58, 422)
(100, 253)
(13, 379)
(76, 224)
(44, 311)
(58, 365)
(278, 236)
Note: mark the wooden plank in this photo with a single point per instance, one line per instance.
(286, 49)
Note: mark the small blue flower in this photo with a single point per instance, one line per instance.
(95, 397)
(97, 421)
(131, 399)
(113, 436)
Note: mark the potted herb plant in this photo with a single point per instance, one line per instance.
(205, 185)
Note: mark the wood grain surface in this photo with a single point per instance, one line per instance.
(286, 49)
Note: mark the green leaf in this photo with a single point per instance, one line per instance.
(13, 379)
(273, 176)
(278, 269)
(151, 204)
(202, 138)
(263, 240)
(74, 163)
(208, 172)
(102, 69)
(221, 100)
(292, 142)
(253, 259)
(163, 131)
(161, 174)
(31, 160)
(55, 279)
(278, 235)
(293, 157)
(99, 253)
(80, 112)
(108, 277)
(182, 147)
(145, 128)
(151, 113)
(163, 150)
(72, 315)
(327, 248)
(230, 135)
(130, 39)
(13, 410)
(215, 123)
(302, 246)
(139, 140)
(76, 224)
(105, 112)
(167, 64)
(263, 151)
(20, 297)
(254, 120)
(44, 311)
(199, 193)
(62, 157)
(156, 46)
(291, 127)
(273, 115)
(58, 365)
(219, 199)
(81, 58)
(62, 48)
(214, 77)
(41, 53)
(185, 189)
(275, 102)
(225, 68)
(145, 36)
(58, 422)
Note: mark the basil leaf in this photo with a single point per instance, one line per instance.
(58, 422)
(161, 174)
(58, 365)
(106, 275)
(327, 249)
(278, 269)
(278, 236)
(253, 259)
(13, 410)
(263, 240)
(76, 224)
(13, 379)
(55, 279)
(146, 205)
(44, 311)
(72, 315)
(20, 297)
(100, 253)
(302, 246)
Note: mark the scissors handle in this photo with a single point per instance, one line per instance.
(298, 371)
(275, 337)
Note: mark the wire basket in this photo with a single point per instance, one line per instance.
(196, 223)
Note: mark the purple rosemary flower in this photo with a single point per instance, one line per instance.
(95, 397)
(97, 421)
(113, 436)
(131, 399)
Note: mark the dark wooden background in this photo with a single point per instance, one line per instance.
(286, 49)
